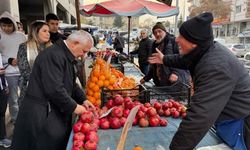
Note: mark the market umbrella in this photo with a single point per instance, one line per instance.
(128, 8)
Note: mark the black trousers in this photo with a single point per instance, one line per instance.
(247, 132)
(3, 106)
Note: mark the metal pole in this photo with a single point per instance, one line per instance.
(129, 17)
(176, 18)
(78, 14)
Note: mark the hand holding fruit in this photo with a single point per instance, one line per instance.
(88, 104)
(79, 109)
(156, 58)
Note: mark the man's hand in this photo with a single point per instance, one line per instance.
(142, 81)
(156, 58)
(88, 104)
(173, 78)
(79, 109)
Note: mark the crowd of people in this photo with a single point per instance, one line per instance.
(44, 66)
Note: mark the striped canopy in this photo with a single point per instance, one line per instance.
(128, 8)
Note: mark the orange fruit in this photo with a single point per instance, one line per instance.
(96, 88)
(96, 72)
(102, 77)
(90, 92)
(106, 83)
(91, 85)
(112, 80)
(97, 95)
(100, 83)
(94, 79)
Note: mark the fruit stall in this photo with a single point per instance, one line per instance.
(116, 94)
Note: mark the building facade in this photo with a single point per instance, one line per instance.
(236, 26)
(27, 11)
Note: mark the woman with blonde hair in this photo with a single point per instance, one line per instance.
(38, 39)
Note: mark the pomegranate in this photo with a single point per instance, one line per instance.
(96, 121)
(79, 136)
(127, 99)
(143, 108)
(167, 113)
(170, 104)
(78, 144)
(126, 113)
(92, 136)
(172, 110)
(115, 123)
(143, 122)
(175, 114)
(147, 105)
(183, 115)
(154, 122)
(117, 112)
(151, 112)
(157, 105)
(123, 121)
(118, 100)
(109, 104)
(163, 122)
(94, 127)
(77, 126)
(135, 122)
(76, 148)
(90, 145)
(85, 128)
(140, 114)
(160, 112)
(87, 117)
(104, 124)
(165, 106)
(129, 105)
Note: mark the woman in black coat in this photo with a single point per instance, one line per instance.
(45, 116)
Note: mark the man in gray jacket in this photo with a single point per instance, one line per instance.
(221, 87)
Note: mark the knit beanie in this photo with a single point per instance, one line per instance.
(159, 25)
(198, 29)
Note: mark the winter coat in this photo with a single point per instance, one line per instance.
(221, 92)
(56, 36)
(170, 47)
(144, 50)
(119, 42)
(44, 119)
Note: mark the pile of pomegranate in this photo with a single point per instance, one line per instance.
(148, 115)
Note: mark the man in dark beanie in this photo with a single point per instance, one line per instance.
(221, 87)
(162, 75)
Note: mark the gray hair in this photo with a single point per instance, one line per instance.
(144, 31)
(81, 36)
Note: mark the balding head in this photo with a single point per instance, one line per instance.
(79, 43)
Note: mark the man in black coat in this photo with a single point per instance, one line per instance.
(44, 119)
(164, 75)
(221, 87)
(53, 21)
(144, 51)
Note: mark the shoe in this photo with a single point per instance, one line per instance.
(5, 143)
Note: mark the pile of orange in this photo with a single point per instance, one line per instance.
(104, 76)
(100, 77)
